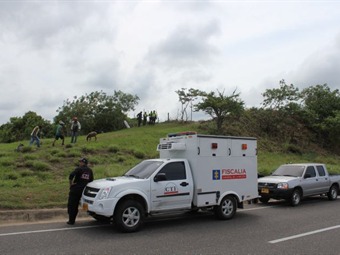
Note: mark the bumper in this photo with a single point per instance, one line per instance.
(275, 193)
(104, 207)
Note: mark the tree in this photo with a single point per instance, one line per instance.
(220, 107)
(98, 111)
(20, 128)
(319, 101)
(322, 106)
(186, 98)
(282, 97)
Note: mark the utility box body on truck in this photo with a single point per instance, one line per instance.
(193, 172)
(219, 165)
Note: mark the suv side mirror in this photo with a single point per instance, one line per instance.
(160, 177)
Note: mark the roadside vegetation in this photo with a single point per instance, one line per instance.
(38, 177)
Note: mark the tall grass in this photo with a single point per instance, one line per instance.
(38, 177)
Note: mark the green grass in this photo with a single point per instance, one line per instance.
(38, 177)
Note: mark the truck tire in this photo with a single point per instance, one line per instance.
(295, 199)
(333, 192)
(264, 200)
(227, 209)
(129, 216)
(101, 219)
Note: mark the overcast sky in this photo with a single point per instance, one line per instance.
(54, 50)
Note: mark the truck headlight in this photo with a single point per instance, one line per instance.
(105, 193)
(282, 185)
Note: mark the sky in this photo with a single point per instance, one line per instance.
(52, 51)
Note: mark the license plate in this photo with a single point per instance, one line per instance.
(85, 207)
(265, 190)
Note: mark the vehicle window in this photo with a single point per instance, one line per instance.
(311, 171)
(174, 171)
(321, 170)
(144, 169)
(289, 170)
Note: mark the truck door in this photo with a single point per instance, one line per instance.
(323, 179)
(309, 182)
(171, 188)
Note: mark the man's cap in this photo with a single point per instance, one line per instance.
(84, 160)
(61, 122)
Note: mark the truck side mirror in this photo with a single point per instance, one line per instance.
(307, 176)
(160, 177)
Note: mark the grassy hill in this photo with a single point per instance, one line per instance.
(38, 177)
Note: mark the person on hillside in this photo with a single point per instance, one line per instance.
(139, 118)
(145, 118)
(60, 133)
(34, 136)
(75, 128)
(78, 179)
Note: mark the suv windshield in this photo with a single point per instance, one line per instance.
(144, 169)
(289, 170)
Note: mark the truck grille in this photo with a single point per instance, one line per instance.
(266, 185)
(91, 192)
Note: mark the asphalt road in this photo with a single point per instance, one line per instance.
(311, 228)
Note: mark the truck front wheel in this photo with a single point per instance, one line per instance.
(129, 216)
(333, 192)
(227, 209)
(295, 198)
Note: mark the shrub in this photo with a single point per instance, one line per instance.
(6, 161)
(139, 154)
(30, 157)
(113, 149)
(54, 160)
(27, 149)
(11, 176)
(26, 173)
(120, 159)
(41, 166)
(87, 150)
(292, 149)
(74, 154)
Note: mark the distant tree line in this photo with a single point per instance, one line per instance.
(286, 113)
(96, 111)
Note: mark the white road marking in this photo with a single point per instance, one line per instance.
(257, 208)
(303, 234)
(48, 230)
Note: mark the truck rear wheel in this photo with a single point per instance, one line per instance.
(333, 192)
(295, 199)
(129, 216)
(227, 209)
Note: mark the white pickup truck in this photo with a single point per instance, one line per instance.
(193, 172)
(296, 181)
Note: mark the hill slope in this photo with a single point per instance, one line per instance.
(38, 177)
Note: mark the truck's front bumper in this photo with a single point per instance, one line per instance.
(103, 207)
(275, 193)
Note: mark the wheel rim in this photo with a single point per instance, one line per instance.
(227, 207)
(131, 216)
(296, 198)
(334, 193)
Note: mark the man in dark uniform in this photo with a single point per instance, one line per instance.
(139, 118)
(79, 178)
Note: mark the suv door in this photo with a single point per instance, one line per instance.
(170, 188)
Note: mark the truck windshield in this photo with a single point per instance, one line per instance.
(289, 170)
(144, 169)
